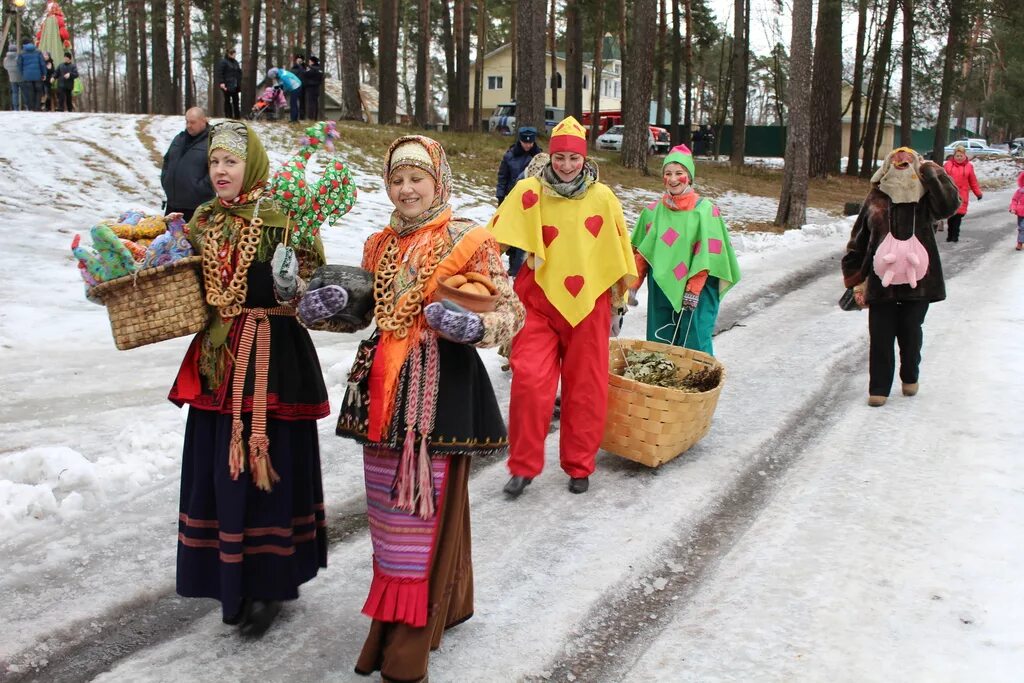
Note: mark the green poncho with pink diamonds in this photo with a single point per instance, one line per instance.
(679, 244)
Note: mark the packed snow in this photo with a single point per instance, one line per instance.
(891, 550)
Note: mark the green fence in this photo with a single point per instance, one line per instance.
(760, 141)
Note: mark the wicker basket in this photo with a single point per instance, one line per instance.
(650, 424)
(155, 304)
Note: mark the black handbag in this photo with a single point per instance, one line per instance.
(848, 302)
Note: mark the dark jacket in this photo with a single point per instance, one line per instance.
(312, 77)
(66, 83)
(513, 164)
(31, 63)
(940, 200)
(229, 73)
(185, 176)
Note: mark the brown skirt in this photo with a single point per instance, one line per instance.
(401, 652)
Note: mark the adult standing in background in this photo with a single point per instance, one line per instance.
(14, 76)
(229, 82)
(66, 75)
(296, 99)
(515, 161)
(33, 73)
(185, 176)
(49, 83)
(961, 170)
(312, 80)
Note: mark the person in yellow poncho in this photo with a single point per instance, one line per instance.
(579, 265)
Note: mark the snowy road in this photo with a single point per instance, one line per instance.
(805, 538)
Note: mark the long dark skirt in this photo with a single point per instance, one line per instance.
(235, 541)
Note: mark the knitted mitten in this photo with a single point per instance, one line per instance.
(461, 326)
(690, 300)
(320, 304)
(285, 268)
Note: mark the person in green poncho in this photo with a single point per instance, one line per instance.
(685, 248)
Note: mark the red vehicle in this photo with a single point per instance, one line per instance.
(608, 119)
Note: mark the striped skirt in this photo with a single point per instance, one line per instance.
(236, 541)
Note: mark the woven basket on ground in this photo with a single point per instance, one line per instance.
(155, 304)
(650, 424)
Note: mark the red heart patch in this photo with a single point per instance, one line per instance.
(549, 233)
(574, 283)
(594, 224)
(529, 199)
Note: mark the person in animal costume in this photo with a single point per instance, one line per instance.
(892, 264)
(251, 524)
(685, 246)
(578, 266)
(420, 401)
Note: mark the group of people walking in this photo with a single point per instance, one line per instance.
(252, 523)
(36, 83)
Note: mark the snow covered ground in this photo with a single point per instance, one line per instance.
(887, 546)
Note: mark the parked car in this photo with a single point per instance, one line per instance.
(974, 147)
(1017, 147)
(503, 120)
(612, 139)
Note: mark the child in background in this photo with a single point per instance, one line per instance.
(1017, 209)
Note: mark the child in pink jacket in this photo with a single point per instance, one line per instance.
(1017, 209)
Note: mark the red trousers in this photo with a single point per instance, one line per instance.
(545, 349)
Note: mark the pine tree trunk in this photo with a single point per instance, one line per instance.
(530, 78)
(422, 115)
(659, 87)
(554, 58)
(956, 18)
(740, 77)
(144, 99)
(852, 156)
(163, 92)
(131, 60)
(573, 60)
(793, 201)
(351, 103)
(595, 93)
(216, 50)
(190, 86)
(451, 70)
(387, 61)
(878, 82)
(906, 77)
(462, 63)
(271, 11)
(478, 75)
(687, 133)
(176, 60)
(636, 108)
(826, 91)
(307, 47)
(515, 50)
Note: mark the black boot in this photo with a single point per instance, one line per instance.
(244, 609)
(515, 485)
(579, 484)
(260, 618)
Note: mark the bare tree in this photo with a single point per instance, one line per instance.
(177, 12)
(163, 92)
(792, 211)
(955, 37)
(351, 104)
(853, 158)
(481, 50)
(906, 76)
(659, 87)
(595, 93)
(422, 113)
(190, 85)
(131, 60)
(463, 34)
(640, 69)
(573, 60)
(826, 91)
(740, 80)
(688, 55)
(552, 44)
(879, 68)
(530, 65)
(387, 60)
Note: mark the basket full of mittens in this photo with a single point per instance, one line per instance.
(143, 269)
(661, 399)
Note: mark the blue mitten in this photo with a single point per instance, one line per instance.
(285, 268)
(454, 322)
(322, 303)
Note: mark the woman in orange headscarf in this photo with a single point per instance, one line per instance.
(420, 401)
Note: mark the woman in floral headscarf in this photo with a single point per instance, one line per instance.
(420, 401)
(251, 524)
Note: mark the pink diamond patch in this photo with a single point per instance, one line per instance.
(714, 246)
(715, 212)
(647, 228)
(696, 247)
(680, 271)
(670, 237)
(652, 206)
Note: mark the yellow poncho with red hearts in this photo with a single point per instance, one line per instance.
(580, 246)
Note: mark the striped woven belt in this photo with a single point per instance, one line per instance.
(256, 328)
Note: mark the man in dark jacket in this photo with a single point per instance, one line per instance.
(229, 81)
(296, 98)
(515, 161)
(33, 73)
(185, 177)
(66, 75)
(312, 79)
